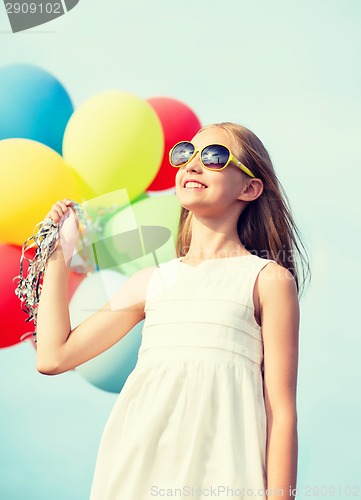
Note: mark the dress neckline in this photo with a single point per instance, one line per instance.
(214, 259)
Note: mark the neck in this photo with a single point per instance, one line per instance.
(214, 241)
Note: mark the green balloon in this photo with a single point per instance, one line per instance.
(143, 234)
(94, 248)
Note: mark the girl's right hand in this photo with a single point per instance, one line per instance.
(63, 214)
(59, 209)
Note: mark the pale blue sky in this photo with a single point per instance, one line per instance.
(290, 72)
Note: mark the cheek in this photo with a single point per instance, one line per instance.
(178, 177)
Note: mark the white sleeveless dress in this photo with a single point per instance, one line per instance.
(190, 421)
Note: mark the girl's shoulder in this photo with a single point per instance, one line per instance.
(274, 271)
(275, 280)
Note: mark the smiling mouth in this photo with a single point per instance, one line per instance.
(194, 185)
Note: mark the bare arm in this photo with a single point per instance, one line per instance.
(53, 312)
(280, 327)
(53, 321)
(58, 348)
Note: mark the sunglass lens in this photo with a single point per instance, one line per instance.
(181, 153)
(215, 156)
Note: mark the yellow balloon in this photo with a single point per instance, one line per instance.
(115, 140)
(33, 178)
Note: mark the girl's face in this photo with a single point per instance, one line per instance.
(223, 187)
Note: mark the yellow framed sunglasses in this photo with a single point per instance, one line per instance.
(213, 157)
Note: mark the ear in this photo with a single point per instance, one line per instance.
(252, 190)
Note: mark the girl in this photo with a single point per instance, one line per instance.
(210, 408)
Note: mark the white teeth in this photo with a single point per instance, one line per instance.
(194, 185)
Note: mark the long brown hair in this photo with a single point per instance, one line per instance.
(266, 226)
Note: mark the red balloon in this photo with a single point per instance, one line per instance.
(13, 324)
(179, 123)
(74, 281)
(13, 327)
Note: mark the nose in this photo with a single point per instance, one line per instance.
(194, 164)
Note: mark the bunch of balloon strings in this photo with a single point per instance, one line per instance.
(45, 240)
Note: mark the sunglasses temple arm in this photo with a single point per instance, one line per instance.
(241, 166)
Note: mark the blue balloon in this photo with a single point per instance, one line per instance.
(110, 369)
(33, 105)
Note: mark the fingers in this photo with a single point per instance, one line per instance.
(59, 209)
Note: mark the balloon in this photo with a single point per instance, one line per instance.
(115, 140)
(74, 281)
(109, 370)
(179, 123)
(33, 178)
(142, 196)
(93, 252)
(33, 105)
(13, 323)
(155, 219)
